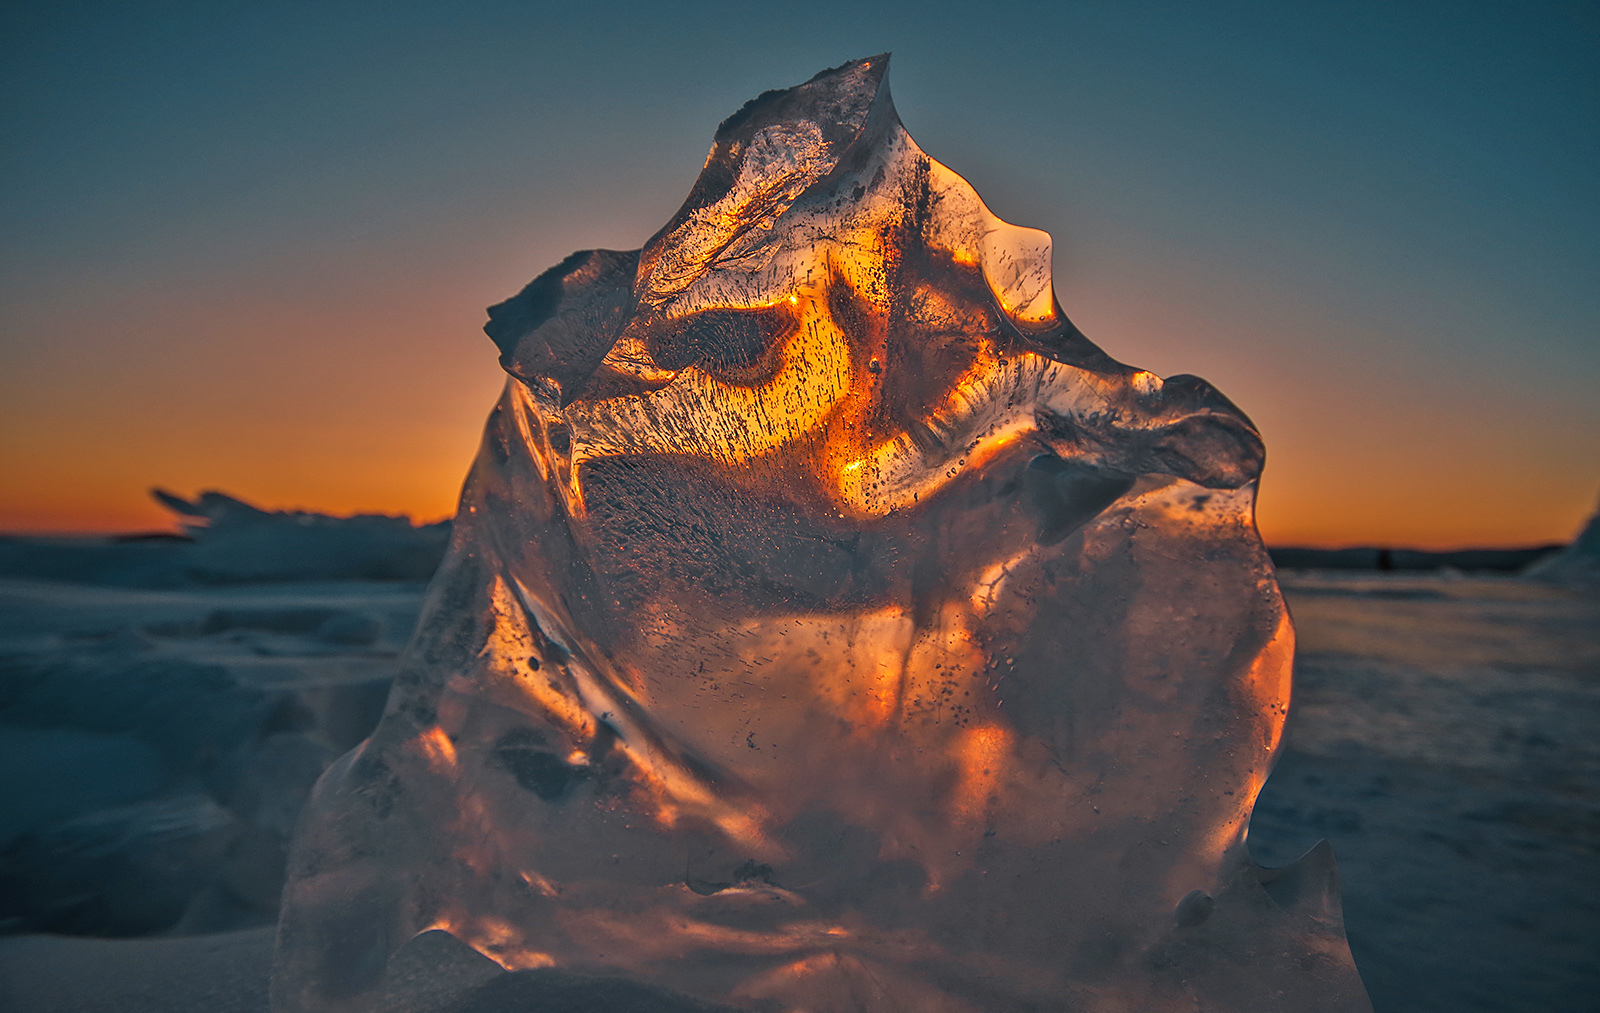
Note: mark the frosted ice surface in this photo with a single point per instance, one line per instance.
(1578, 565)
(830, 626)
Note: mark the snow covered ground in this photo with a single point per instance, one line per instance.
(155, 745)
(1445, 736)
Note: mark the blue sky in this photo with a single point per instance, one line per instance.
(248, 245)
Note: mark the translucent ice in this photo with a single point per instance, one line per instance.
(1576, 566)
(830, 626)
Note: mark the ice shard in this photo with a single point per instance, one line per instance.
(830, 626)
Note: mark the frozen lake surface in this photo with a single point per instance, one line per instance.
(1444, 738)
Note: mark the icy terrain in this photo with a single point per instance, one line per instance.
(1576, 566)
(229, 541)
(828, 625)
(1444, 739)
(1444, 742)
(156, 746)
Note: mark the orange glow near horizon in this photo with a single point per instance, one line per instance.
(78, 483)
(365, 404)
(373, 401)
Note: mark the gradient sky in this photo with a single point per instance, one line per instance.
(248, 246)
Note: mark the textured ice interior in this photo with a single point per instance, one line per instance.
(829, 625)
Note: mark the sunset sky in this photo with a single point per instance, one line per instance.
(248, 246)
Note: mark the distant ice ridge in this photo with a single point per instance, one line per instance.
(828, 625)
(1578, 565)
(229, 541)
(167, 702)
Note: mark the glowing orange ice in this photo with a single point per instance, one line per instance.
(830, 626)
